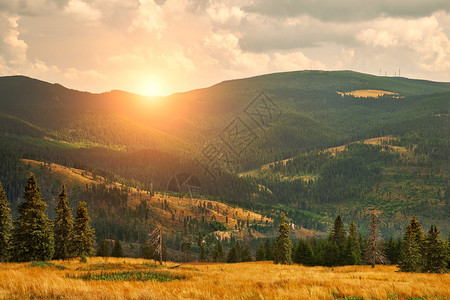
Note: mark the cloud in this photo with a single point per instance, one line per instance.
(12, 48)
(424, 38)
(293, 61)
(82, 12)
(348, 10)
(261, 33)
(150, 17)
(375, 38)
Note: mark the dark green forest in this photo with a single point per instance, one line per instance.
(125, 138)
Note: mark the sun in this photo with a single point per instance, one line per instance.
(150, 87)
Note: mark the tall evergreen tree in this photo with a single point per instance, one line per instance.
(6, 227)
(283, 245)
(33, 235)
(117, 250)
(103, 249)
(374, 252)
(411, 249)
(83, 239)
(338, 237)
(353, 248)
(435, 253)
(338, 233)
(260, 252)
(62, 227)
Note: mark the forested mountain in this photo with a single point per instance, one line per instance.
(238, 125)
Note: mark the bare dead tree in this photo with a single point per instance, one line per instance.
(154, 245)
(374, 252)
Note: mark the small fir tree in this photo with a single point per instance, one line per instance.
(6, 227)
(352, 248)
(436, 252)
(103, 249)
(374, 252)
(411, 249)
(33, 235)
(246, 253)
(234, 254)
(303, 253)
(283, 245)
(117, 250)
(218, 254)
(268, 246)
(201, 247)
(63, 227)
(83, 239)
(393, 250)
(260, 252)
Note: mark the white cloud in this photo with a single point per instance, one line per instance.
(225, 16)
(82, 12)
(12, 48)
(375, 38)
(150, 17)
(425, 37)
(294, 61)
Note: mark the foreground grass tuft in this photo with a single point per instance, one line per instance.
(45, 264)
(128, 276)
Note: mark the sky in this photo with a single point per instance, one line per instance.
(165, 46)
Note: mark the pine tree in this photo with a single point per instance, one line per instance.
(33, 235)
(103, 249)
(436, 252)
(303, 253)
(186, 249)
(63, 227)
(234, 254)
(374, 253)
(260, 252)
(117, 250)
(283, 245)
(338, 233)
(352, 248)
(338, 237)
(201, 247)
(83, 239)
(393, 250)
(246, 253)
(411, 249)
(268, 247)
(218, 254)
(6, 227)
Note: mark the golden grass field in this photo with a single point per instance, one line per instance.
(255, 280)
(368, 93)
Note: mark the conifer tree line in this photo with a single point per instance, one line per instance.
(416, 252)
(34, 237)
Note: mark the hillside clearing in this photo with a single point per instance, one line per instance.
(369, 94)
(256, 280)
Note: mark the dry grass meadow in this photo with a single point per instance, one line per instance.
(255, 280)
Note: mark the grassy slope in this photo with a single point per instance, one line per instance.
(177, 206)
(257, 280)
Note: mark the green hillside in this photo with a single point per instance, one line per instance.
(145, 141)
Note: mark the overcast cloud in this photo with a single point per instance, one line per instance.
(165, 46)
